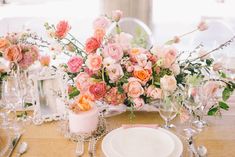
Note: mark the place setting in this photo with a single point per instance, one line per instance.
(118, 94)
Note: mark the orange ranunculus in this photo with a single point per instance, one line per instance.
(143, 75)
(4, 43)
(82, 103)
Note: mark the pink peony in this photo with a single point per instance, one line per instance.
(13, 53)
(134, 88)
(45, 60)
(75, 64)
(153, 92)
(117, 15)
(124, 40)
(168, 83)
(115, 72)
(202, 26)
(114, 51)
(138, 103)
(30, 55)
(94, 62)
(91, 45)
(101, 23)
(98, 90)
(113, 97)
(62, 28)
(83, 82)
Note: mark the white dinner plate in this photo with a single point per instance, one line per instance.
(141, 141)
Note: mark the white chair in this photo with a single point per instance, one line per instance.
(130, 25)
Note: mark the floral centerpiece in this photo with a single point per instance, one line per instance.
(116, 69)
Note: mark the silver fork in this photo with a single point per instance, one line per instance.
(79, 148)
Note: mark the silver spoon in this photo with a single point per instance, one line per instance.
(22, 149)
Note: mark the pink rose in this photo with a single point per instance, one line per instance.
(83, 82)
(45, 60)
(13, 53)
(142, 59)
(134, 88)
(89, 71)
(62, 28)
(115, 72)
(170, 55)
(101, 23)
(124, 40)
(202, 26)
(210, 88)
(30, 55)
(153, 92)
(114, 51)
(168, 83)
(203, 54)
(94, 62)
(138, 103)
(98, 90)
(91, 45)
(175, 68)
(116, 15)
(75, 64)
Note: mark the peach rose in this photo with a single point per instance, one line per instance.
(44, 60)
(4, 43)
(99, 34)
(168, 83)
(210, 88)
(115, 72)
(114, 51)
(124, 40)
(142, 75)
(75, 64)
(62, 28)
(94, 62)
(101, 23)
(153, 92)
(83, 82)
(170, 55)
(134, 88)
(117, 15)
(91, 45)
(138, 103)
(13, 53)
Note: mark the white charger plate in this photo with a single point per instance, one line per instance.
(141, 141)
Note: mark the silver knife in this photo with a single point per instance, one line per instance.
(13, 144)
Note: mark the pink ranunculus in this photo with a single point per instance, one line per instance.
(13, 53)
(30, 55)
(210, 88)
(175, 68)
(124, 40)
(98, 90)
(108, 61)
(138, 103)
(45, 60)
(101, 23)
(202, 26)
(114, 51)
(203, 54)
(75, 64)
(170, 55)
(83, 82)
(153, 92)
(142, 59)
(91, 45)
(115, 72)
(168, 83)
(94, 62)
(62, 28)
(117, 15)
(134, 88)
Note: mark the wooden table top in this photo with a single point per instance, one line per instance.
(46, 140)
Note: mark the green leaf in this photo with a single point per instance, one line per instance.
(120, 89)
(27, 104)
(74, 93)
(209, 62)
(227, 93)
(222, 74)
(223, 105)
(212, 111)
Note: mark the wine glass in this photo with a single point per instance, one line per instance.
(168, 110)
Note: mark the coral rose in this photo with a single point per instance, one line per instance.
(98, 90)
(4, 43)
(75, 64)
(91, 45)
(13, 53)
(94, 62)
(153, 92)
(134, 88)
(62, 28)
(168, 83)
(114, 51)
